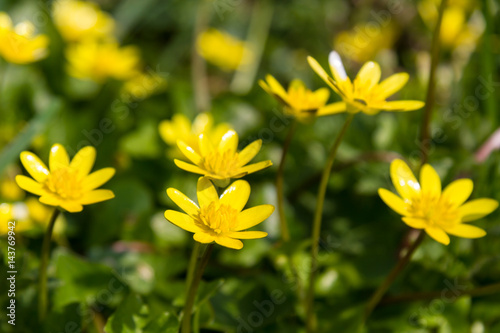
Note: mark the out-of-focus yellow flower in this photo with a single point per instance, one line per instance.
(223, 50)
(19, 44)
(424, 206)
(101, 60)
(222, 161)
(300, 102)
(180, 128)
(362, 43)
(14, 212)
(218, 219)
(365, 93)
(144, 85)
(38, 212)
(78, 20)
(67, 185)
(10, 191)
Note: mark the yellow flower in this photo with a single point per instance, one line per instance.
(100, 60)
(9, 190)
(222, 161)
(16, 212)
(19, 44)
(67, 185)
(425, 206)
(77, 20)
(144, 85)
(300, 102)
(223, 50)
(180, 128)
(218, 219)
(365, 93)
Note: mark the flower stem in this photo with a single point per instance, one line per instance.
(403, 261)
(431, 88)
(309, 300)
(42, 283)
(285, 233)
(192, 262)
(193, 287)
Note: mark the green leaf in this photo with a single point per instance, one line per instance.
(165, 323)
(130, 317)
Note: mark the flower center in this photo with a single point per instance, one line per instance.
(302, 99)
(217, 218)
(65, 183)
(223, 164)
(437, 211)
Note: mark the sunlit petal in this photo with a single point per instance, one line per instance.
(206, 192)
(183, 201)
(430, 181)
(403, 179)
(35, 167)
(96, 196)
(476, 209)
(29, 185)
(393, 201)
(83, 161)
(253, 216)
(182, 220)
(466, 231)
(236, 195)
(249, 152)
(458, 191)
(97, 178)
(229, 242)
(438, 234)
(58, 157)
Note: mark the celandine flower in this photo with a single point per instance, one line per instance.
(19, 44)
(365, 93)
(425, 206)
(69, 185)
(218, 219)
(222, 161)
(300, 102)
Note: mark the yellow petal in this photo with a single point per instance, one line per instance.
(247, 234)
(253, 216)
(189, 167)
(458, 191)
(438, 234)
(276, 88)
(368, 76)
(415, 222)
(321, 96)
(97, 178)
(476, 209)
(71, 206)
(35, 167)
(333, 108)
(391, 85)
(322, 73)
(399, 105)
(254, 167)
(337, 67)
(181, 220)
(203, 237)
(403, 179)
(430, 181)
(183, 202)
(29, 185)
(189, 152)
(236, 195)
(50, 199)
(466, 231)
(393, 201)
(58, 157)
(206, 192)
(229, 141)
(249, 152)
(229, 242)
(202, 122)
(206, 146)
(83, 161)
(96, 196)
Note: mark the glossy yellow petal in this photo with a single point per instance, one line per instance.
(204, 121)
(97, 178)
(276, 88)
(415, 222)
(203, 237)
(438, 234)
(58, 157)
(236, 195)
(29, 185)
(229, 141)
(83, 161)
(206, 192)
(393, 201)
(403, 179)
(391, 85)
(189, 167)
(189, 152)
(333, 108)
(368, 76)
(337, 67)
(96, 196)
(71, 206)
(322, 73)
(50, 199)
(253, 216)
(249, 152)
(35, 167)
(206, 146)
(247, 234)
(430, 181)
(466, 231)
(399, 105)
(255, 167)
(181, 220)
(458, 191)
(476, 209)
(183, 202)
(229, 242)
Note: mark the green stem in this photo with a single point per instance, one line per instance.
(192, 262)
(285, 233)
(309, 300)
(193, 287)
(431, 88)
(42, 291)
(403, 261)
(487, 58)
